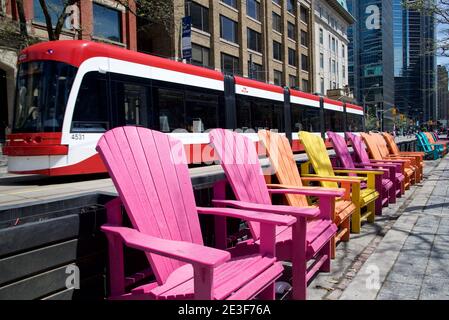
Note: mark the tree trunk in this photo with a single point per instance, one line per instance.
(22, 19)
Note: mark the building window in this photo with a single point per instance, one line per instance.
(321, 36)
(278, 2)
(230, 64)
(277, 50)
(304, 38)
(277, 22)
(253, 9)
(334, 70)
(54, 9)
(254, 40)
(199, 15)
(232, 3)
(228, 29)
(278, 78)
(305, 85)
(321, 61)
(304, 62)
(322, 85)
(255, 71)
(107, 23)
(333, 45)
(343, 51)
(293, 81)
(291, 32)
(343, 71)
(200, 55)
(304, 14)
(291, 6)
(292, 57)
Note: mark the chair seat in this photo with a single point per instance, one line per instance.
(319, 231)
(409, 172)
(368, 195)
(343, 209)
(386, 184)
(230, 279)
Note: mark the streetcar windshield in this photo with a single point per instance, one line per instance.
(43, 88)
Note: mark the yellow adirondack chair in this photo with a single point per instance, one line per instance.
(286, 171)
(320, 162)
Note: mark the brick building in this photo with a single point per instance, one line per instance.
(272, 36)
(97, 20)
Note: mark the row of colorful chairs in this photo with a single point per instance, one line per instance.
(432, 145)
(150, 173)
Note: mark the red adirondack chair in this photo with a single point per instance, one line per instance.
(309, 238)
(149, 171)
(362, 158)
(384, 185)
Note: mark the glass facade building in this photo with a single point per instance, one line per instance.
(371, 56)
(415, 63)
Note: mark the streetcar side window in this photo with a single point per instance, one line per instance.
(91, 107)
(256, 113)
(354, 122)
(201, 111)
(305, 118)
(333, 121)
(170, 103)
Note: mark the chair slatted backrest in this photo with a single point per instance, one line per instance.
(359, 147)
(240, 161)
(391, 143)
(283, 162)
(430, 137)
(381, 144)
(371, 143)
(149, 171)
(341, 149)
(318, 156)
(425, 141)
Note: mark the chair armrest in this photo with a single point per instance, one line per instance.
(180, 250)
(314, 177)
(359, 171)
(306, 191)
(256, 216)
(269, 208)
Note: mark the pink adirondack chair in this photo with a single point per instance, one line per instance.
(149, 171)
(309, 238)
(384, 185)
(362, 158)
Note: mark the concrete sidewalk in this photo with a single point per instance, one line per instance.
(412, 259)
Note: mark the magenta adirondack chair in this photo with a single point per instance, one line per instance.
(149, 171)
(362, 158)
(309, 238)
(384, 185)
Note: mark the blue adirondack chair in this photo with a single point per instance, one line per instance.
(432, 151)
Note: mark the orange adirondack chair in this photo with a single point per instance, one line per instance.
(373, 149)
(287, 173)
(150, 173)
(414, 163)
(394, 151)
(320, 162)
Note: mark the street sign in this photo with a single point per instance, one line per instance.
(187, 38)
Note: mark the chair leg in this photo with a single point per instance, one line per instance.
(327, 250)
(379, 204)
(299, 260)
(392, 194)
(371, 208)
(333, 247)
(269, 293)
(346, 224)
(356, 223)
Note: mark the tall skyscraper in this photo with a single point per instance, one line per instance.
(443, 96)
(371, 57)
(415, 63)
